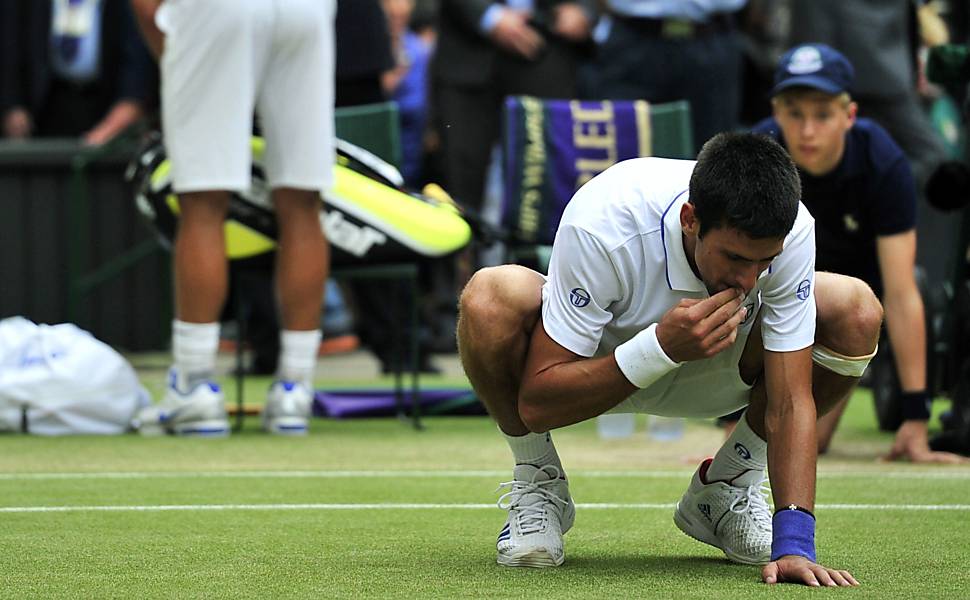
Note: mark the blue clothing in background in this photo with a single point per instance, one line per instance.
(870, 193)
(411, 96)
(76, 39)
(695, 10)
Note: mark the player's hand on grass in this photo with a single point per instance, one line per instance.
(696, 329)
(912, 444)
(798, 569)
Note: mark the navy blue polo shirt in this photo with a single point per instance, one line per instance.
(870, 193)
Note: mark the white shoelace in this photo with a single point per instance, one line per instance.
(752, 499)
(531, 518)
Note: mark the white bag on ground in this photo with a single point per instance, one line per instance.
(64, 380)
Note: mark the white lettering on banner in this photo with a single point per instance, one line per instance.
(351, 238)
(534, 169)
(594, 137)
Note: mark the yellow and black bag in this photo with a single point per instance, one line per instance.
(368, 216)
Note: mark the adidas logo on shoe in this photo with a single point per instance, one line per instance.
(731, 515)
(705, 510)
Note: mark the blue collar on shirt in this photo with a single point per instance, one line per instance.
(679, 274)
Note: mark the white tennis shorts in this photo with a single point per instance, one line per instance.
(225, 60)
(702, 388)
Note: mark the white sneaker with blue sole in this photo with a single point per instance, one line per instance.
(540, 512)
(199, 412)
(288, 408)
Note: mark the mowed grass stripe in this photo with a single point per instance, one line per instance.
(451, 490)
(365, 474)
(432, 506)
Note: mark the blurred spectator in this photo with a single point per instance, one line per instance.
(363, 55)
(665, 50)
(363, 52)
(486, 51)
(857, 184)
(72, 68)
(764, 26)
(407, 84)
(879, 37)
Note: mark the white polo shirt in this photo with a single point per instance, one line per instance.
(618, 264)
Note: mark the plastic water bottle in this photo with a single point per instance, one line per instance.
(665, 429)
(616, 426)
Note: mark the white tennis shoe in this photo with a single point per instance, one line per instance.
(732, 516)
(540, 512)
(199, 412)
(287, 410)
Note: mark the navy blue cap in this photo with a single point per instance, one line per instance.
(815, 66)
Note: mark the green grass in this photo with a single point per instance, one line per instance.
(318, 545)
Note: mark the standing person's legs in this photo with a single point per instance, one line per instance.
(302, 260)
(199, 256)
(201, 284)
(295, 103)
(498, 311)
(208, 81)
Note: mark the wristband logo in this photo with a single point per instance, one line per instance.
(803, 290)
(578, 297)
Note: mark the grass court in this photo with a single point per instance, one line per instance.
(371, 508)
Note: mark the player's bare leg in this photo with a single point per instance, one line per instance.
(199, 254)
(499, 309)
(303, 258)
(193, 403)
(302, 265)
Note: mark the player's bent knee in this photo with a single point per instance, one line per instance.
(500, 299)
(849, 315)
(866, 312)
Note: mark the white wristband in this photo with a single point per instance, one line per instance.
(642, 360)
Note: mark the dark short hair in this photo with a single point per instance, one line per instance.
(748, 182)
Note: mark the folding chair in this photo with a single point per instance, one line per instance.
(551, 147)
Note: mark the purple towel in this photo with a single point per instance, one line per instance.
(348, 404)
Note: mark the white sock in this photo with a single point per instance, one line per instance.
(742, 451)
(298, 355)
(194, 348)
(534, 449)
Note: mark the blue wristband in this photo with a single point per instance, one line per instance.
(793, 532)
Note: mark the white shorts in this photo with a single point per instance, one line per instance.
(225, 60)
(702, 388)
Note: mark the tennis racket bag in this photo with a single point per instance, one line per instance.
(368, 216)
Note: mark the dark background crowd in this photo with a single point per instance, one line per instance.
(79, 69)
